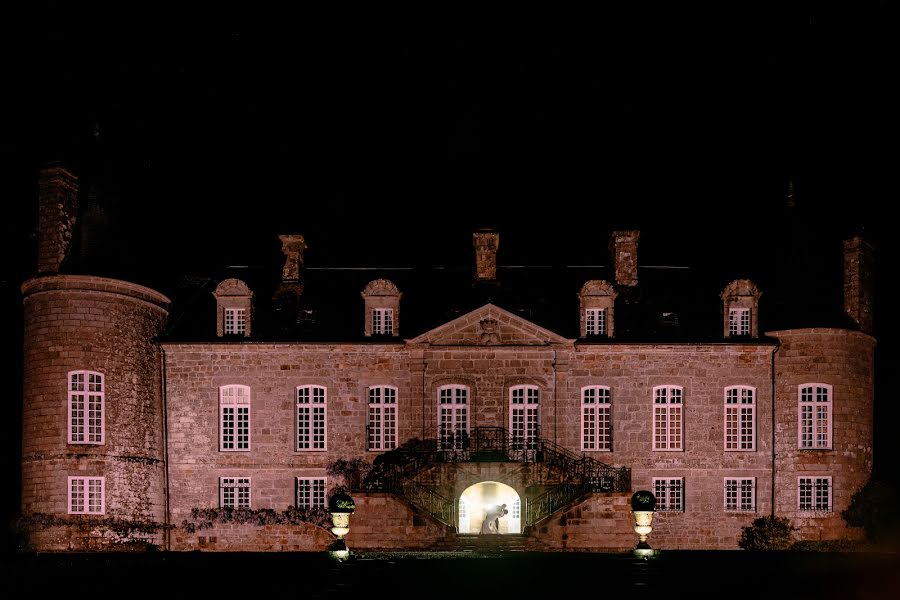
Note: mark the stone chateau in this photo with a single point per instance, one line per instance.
(434, 395)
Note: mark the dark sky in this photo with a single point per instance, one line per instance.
(384, 135)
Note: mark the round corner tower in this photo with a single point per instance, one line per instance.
(93, 455)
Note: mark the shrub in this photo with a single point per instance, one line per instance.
(874, 508)
(767, 533)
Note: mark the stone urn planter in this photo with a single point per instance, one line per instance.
(643, 505)
(341, 506)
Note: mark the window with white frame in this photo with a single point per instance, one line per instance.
(669, 492)
(524, 415)
(596, 418)
(463, 510)
(312, 417)
(453, 415)
(815, 416)
(85, 496)
(667, 417)
(234, 418)
(814, 493)
(310, 492)
(382, 418)
(235, 321)
(86, 408)
(595, 321)
(740, 418)
(738, 321)
(234, 492)
(382, 321)
(740, 494)
(516, 512)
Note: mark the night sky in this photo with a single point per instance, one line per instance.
(385, 135)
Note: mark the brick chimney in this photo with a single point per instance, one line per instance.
(624, 248)
(486, 242)
(292, 246)
(859, 282)
(57, 210)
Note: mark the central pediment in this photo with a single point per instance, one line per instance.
(489, 326)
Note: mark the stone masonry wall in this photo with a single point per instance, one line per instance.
(90, 323)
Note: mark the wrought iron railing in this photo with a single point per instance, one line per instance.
(581, 474)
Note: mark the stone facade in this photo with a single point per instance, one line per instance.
(675, 412)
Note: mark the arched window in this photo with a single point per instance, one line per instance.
(596, 418)
(312, 417)
(382, 423)
(667, 417)
(234, 418)
(86, 408)
(740, 418)
(453, 416)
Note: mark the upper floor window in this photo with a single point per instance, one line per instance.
(383, 321)
(595, 321)
(667, 417)
(740, 494)
(739, 321)
(524, 415)
(234, 492)
(312, 416)
(453, 413)
(596, 421)
(235, 321)
(740, 418)
(814, 493)
(815, 416)
(234, 418)
(382, 418)
(86, 408)
(669, 492)
(86, 495)
(310, 492)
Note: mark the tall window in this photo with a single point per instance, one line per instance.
(814, 493)
(740, 494)
(740, 418)
(739, 321)
(311, 417)
(524, 415)
(86, 496)
(235, 321)
(310, 492)
(596, 423)
(453, 413)
(382, 418)
(234, 492)
(595, 321)
(669, 492)
(815, 415)
(86, 408)
(667, 417)
(234, 417)
(382, 321)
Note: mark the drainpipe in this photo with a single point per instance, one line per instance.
(165, 415)
(555, 413)
(774, 351)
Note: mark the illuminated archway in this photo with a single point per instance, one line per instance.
(476, 499)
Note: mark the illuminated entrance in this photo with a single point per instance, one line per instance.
(477, 499)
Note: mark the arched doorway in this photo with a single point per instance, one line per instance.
(477, 499)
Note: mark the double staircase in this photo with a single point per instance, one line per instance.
(581, 475)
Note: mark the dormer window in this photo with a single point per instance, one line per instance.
(235, 321)
(740, 300)
(739, 321)
(233, 308)
(383, 321)
(595, 321)
(596, 301)
(382, 306)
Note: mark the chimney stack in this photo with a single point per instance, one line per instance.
(624, 248)
(57, 211)
(292, 246)
(859, 282)
(486, 242)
